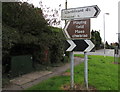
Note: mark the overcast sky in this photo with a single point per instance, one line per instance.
(106, 6)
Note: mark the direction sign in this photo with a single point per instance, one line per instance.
(78, 29)
(80, 45)
(80, 12)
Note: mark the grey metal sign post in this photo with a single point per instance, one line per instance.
(116, 53)
(86, 69)
(72, 69)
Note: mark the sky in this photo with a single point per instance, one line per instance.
(106, 6)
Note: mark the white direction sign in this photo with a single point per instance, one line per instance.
(80, 13)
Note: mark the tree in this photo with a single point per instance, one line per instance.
(24, 17)
(25, 27)
(51, 15)
(107, 45)
(22, 24)
(95, 37)
(28, 20)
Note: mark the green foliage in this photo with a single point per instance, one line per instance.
(103, 69)
(54, 83)
(57, 45)
(95, 37)
(9, 37)
(107, 46)
(79, 55)
(51, 15)
(65, 59)
(103, 75)
(5, 81)
(25, 31)
(25, 19)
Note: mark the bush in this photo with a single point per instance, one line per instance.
(57, 45)
(25, 31)
(65, 59)
(5, 81)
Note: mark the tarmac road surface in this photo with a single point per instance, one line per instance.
(108, 52)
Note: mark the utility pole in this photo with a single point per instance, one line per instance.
(65, 8)
(104, 29)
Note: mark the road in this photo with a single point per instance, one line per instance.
(108, 52)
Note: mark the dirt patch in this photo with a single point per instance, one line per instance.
(66, 74)
(78, 87)
(115, 63)
(78, 59)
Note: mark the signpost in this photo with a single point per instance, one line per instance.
(72, 69)
(80, 45)
(78, 29)
(80, 12)
(86, 69)
(116, 53)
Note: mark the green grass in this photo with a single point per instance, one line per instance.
(117, 59)
(102, 74)
(79, 55)
(52, 83)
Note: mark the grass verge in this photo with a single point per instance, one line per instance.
(102, 75)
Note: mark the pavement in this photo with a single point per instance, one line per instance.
(30, 79)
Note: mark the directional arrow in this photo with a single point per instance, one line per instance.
(72, 45)
(90, 47)
(80, 45)
(65, 30)
(80, 12)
